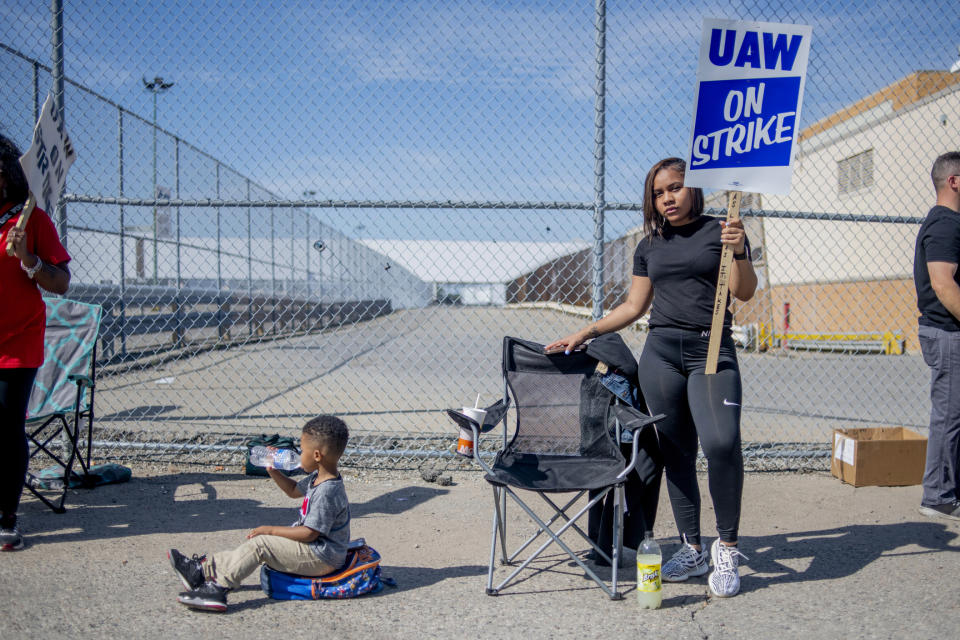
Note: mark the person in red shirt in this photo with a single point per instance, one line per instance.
(38, 261)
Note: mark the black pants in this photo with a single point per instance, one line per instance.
(15, 386)
(697, 406)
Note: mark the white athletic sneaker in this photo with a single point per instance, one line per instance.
(10, 539)
(725, 579)
(686, 562)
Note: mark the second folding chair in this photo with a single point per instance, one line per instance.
(61, 402)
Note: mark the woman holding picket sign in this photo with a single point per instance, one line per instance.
(38, 261)
(675, 267)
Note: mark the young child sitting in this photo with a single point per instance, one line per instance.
(314, 546)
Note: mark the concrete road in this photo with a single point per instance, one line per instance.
(394, 376)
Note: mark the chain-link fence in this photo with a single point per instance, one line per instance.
(287, 211)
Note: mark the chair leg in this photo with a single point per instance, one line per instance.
(554, 538)
(501, 519)
(493, 542)
(503, 526)
(43, 445)
(560, 513)
(56, 508)
(78, 415)
(77, 453)
(618, 496)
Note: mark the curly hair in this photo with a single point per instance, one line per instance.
(653, 222)
(330, 432)
(16, 189)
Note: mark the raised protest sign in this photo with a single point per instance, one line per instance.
(45, 163)
(750, 83)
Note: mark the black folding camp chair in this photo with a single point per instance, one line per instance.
(61, 402)
(561, 443)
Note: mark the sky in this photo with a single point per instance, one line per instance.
(416, 100)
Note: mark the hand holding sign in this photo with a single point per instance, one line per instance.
(45, 164)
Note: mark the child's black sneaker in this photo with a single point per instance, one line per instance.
(10, 539)
(209, 596)
(189, 570)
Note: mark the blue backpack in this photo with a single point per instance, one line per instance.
(360, 574)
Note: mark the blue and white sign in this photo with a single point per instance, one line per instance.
(750, 84)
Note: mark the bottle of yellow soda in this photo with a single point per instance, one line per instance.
(649, 587)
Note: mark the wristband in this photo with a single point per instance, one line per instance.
(32, 271)
(740, 256)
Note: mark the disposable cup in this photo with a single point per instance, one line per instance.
(476, 414)
(465, 442)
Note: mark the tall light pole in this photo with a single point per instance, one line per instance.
(155, 86)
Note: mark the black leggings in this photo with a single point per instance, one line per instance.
(696, 405)
(15, 386)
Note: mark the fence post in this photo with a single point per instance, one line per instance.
(56, 46)
(306, 256)
(123, 239)
(599, 153)
(273, 272)
(36, 91)
(249, 267)
(178, 318)
(320, 276)
(220, 331)
(291, 294)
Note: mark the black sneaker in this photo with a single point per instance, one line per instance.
(189, 570)
(950, 510)
(209, 596)
(10, 539)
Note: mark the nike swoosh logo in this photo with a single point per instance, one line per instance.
(727, 403)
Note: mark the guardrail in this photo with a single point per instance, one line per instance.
(880, 342)
(144, 320)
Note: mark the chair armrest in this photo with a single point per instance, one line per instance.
(631, 419)
(81, 379)
(495, 413)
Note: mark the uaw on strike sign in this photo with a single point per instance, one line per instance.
(750, 84)
(46, 162)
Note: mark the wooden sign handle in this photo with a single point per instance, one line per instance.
(723, 287)
(24, 219)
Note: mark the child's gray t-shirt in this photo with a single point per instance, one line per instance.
(325, 509)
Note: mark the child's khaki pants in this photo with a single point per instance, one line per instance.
(229, 568)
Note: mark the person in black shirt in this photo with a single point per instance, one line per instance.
(936, 256)
(676, 266)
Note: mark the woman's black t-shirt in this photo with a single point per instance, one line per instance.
(683, 266)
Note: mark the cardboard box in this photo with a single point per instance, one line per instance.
(884, 456)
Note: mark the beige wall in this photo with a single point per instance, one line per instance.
(904, 145)
(837, 307)
(847, 277)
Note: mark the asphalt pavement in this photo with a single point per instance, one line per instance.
(826, 560)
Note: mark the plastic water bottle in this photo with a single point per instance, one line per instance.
(649, 587)
(285, 459)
